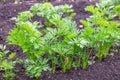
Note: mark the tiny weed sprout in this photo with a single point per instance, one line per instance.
(55, 42)
(7, 65)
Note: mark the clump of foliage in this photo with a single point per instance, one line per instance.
(27, 36)
(109, 2)
(116, 2)
(109, 7)
(57, 42)
(49, 43)
(105, 30)
(6, 63)
(116, 11)
(35, 68)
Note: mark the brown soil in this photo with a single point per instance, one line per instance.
(109, 69)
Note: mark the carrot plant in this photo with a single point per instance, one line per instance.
(116, 2)
(106, 8)
(105, 32)
(56, 42)
(7, 65)
(52, 43)
(116, 10)
(88, 36)
(34, 68)
(51, 13)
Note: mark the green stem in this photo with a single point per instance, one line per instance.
(6, 74)
(78, 62)
(106, 50)
(64, 68)
(53, 67)
(70, 62)
(62, 63)
(84, 60)
(99, 54)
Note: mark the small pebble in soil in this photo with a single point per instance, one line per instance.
(81, 26)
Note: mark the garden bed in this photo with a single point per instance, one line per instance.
(108, 69)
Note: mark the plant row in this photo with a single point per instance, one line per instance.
(56, 42)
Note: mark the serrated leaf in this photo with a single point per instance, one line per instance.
(12, 55)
